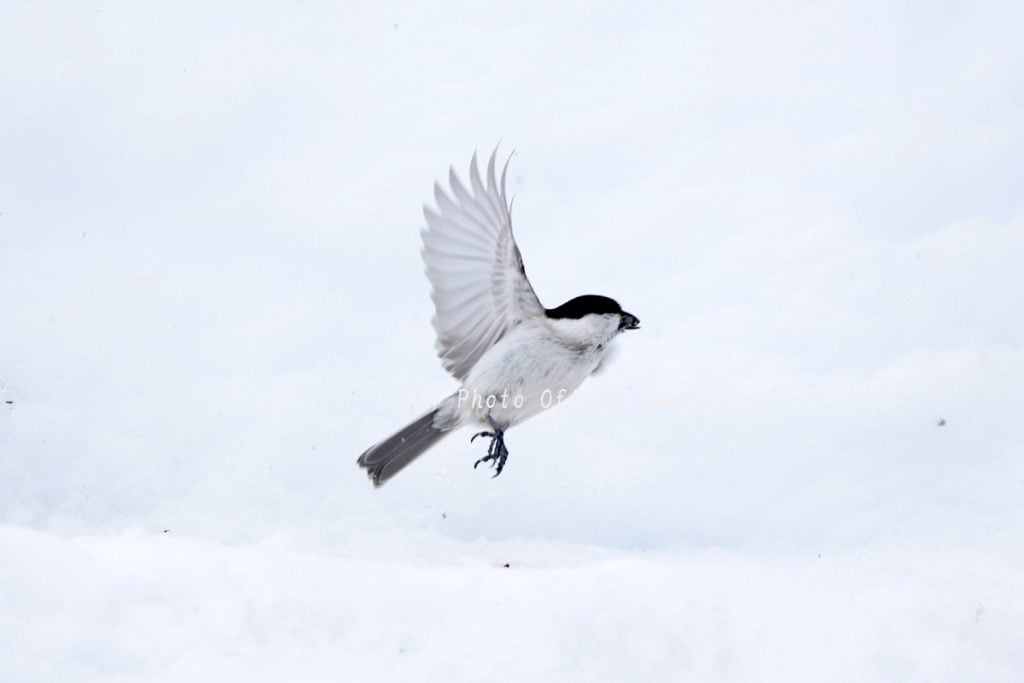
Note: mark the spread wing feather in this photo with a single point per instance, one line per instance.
(475, 269)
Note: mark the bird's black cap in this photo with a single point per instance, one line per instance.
(582, 305)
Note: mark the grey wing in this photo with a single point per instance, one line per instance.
(475, 269)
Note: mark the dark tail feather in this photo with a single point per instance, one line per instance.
(385, 459)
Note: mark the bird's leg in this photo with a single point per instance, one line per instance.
(497, 454)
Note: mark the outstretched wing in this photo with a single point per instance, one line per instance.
(479, 284)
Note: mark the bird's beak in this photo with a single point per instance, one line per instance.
(629, 322)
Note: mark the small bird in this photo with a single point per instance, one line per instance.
(514, 357)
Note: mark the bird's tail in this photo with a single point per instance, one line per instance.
(386, 458)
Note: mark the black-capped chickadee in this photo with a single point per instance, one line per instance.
(514, 357)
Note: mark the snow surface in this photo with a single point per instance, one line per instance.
(807, 466)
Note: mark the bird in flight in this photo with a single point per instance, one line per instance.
(513, 357)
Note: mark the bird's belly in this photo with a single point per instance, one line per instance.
(514, 383)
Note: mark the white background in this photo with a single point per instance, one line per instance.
(212, 301)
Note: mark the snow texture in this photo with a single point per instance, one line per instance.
(807, 466)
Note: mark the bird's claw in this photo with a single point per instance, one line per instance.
(497, 461)
(497, 454)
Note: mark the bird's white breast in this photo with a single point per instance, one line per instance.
(534, 367)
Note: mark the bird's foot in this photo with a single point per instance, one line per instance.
(497, 454)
